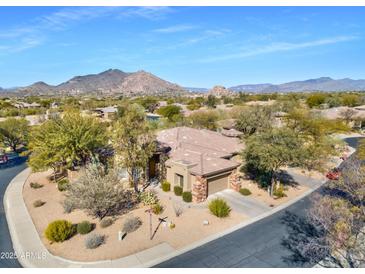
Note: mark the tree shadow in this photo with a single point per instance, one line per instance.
(300, 234)
(286, 178)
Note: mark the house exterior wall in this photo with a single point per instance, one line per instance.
(182, 170)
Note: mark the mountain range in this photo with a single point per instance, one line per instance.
(117, 82)
(109, 82)
(318, 84)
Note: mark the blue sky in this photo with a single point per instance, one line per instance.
(191, 46)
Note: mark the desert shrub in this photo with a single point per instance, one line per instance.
(106, 222)
(187, 196)
(68, 206)
(148, 198)
(98, 193)
(59, 231)
(245, 191)
(62, 185)
(94, 240)
(131, 224)
(178, 190)
(38, 203)
(279, 192)
(219, 208)
(178, 209)
(157, 209)
(166, 186)
(35, 185)
(84, 227)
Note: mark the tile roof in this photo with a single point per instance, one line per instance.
(203, 150)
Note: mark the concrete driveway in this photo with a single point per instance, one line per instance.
(242, 204)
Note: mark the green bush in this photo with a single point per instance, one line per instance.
(106, 222)
(157, 209)
(187, 196)
(245, 191)
(35, 185)
(38, 203)
(178, 190)
(279, 192)
(62, 185)
(148, 197)
(84, 227)
(219, 208)
(59, 231)
(166, 186)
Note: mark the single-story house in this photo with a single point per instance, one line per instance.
(106, 112)
(200, 160)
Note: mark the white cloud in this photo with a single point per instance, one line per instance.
(278, 47)
(176, 28)
(25, 37)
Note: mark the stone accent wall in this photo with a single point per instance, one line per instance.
(200, 190)
(234, 181)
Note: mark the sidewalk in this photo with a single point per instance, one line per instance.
(32, 253)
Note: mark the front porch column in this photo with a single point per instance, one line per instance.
(234, 181)
(200, 189)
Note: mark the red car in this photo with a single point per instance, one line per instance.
(334, 174)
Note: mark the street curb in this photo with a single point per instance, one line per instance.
(25, 248)
(16, 223)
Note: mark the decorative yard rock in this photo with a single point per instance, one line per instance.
(205, 222)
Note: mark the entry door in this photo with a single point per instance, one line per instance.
(180, 180)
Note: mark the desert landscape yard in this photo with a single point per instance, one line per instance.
(189, 226)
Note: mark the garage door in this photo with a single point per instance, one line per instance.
(217, 184)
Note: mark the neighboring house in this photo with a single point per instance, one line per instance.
(106, 112)
(199, 160)
(26, 105)
(55, 105)
(279, 118)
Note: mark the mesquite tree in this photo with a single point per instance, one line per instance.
(134, 143)
(13, 132)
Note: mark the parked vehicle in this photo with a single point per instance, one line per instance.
(334, 174)
(3, 158)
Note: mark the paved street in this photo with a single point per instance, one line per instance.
(6, 247)
(256, 245)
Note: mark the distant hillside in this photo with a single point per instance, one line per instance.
(319, 84)
(112, 81)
